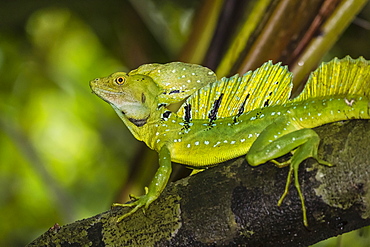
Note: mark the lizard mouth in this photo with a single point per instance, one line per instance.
(99, 91)
(102, 93)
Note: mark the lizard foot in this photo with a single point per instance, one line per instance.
(140, 201)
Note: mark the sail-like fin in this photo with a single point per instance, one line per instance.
(268, 85)
(345, 76)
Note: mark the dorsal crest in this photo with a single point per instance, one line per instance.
(345, 76)
(268, 85)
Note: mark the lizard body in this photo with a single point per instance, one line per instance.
(226, 118)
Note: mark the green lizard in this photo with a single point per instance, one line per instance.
(223, 119)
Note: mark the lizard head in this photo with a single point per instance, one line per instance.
(133, 96)
(139, 94)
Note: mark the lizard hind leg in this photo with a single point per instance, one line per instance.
(306, 150)
(306, 143)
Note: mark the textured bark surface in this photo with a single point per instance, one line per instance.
(234, 204)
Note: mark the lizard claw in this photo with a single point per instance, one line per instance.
(281, 164)
(141, 201)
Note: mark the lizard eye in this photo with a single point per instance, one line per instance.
(119, 80)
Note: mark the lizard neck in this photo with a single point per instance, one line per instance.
(142, 128)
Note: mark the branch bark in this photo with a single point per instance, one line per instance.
(234, 204)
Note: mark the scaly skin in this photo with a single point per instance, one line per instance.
(227, 118)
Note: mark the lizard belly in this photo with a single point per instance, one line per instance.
(212, 146)
(206, 153)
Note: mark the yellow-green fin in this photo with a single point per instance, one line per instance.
(345, 76)
(268, 85)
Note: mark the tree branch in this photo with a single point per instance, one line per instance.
(234, 204)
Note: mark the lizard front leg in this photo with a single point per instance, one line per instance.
(155, 188)
(264, 149)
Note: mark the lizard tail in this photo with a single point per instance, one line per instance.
(345, 76)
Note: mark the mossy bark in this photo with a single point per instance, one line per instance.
(234, 204)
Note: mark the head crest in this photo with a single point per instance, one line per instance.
(176, 80)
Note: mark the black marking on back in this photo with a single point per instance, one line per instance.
(166, 115)
(266, 103)
(138, 122)
(187, 116)
(176, 91)
(161, 105)
(216, 105)
(241, 108)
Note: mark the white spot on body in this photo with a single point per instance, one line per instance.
(196, 143)
(349, 103)
(216, 144)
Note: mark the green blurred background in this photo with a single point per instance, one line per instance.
(64, 154)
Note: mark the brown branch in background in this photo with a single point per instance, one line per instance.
(326, 9)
